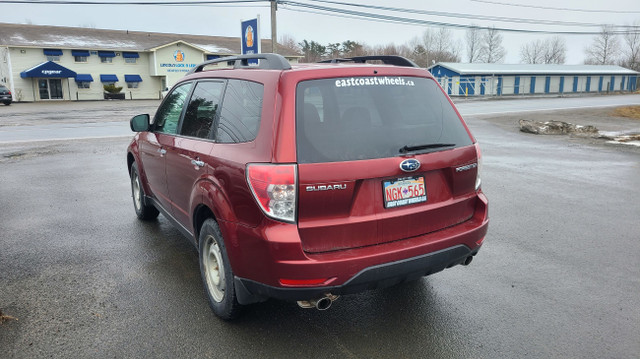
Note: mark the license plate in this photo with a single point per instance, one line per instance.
(404, 191)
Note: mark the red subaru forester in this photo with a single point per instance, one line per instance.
(310, 181)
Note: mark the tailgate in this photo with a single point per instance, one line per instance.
(342, 205)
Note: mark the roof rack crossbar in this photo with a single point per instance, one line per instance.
(386, 59)
(268, 62)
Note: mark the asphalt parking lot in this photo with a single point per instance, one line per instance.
(558, 276)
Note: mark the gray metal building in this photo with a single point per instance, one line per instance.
(461, 79)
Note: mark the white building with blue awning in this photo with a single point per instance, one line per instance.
(476, 79)
(48, 78)
(45, 63)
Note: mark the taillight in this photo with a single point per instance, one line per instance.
(479, 169)
(274, 188)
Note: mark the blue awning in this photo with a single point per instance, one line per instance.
(53, 52)
(132, 78)
(130, 55)
(106, 53)
(48, 69)
(108, 78)
(84, 78)
(80, 53)
(213, 57)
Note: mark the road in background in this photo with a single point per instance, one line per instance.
(501, 105)
(72, 120)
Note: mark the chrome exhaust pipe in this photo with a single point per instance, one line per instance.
(322, 303)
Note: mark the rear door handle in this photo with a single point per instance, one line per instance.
(197, 163)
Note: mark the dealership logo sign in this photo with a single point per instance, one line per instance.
(249, 35)
(178, 56)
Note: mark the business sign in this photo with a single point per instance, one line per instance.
(250, 38)
(177, 61)
(178, 56)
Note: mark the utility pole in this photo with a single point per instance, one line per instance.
(274, 35)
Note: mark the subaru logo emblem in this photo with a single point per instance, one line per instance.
(410, 165)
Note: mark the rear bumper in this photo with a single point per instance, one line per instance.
(269, 254)
(374, 277)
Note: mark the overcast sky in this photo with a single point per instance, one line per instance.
(301, 24)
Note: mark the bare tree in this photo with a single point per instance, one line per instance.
(555, 51)
(532, 52)
(492, 49)
(288, 42)
(434, 46)
(389, 49)
(604, 48)
(473, 39)
(631, 57)
(550, 51)
(446, 48)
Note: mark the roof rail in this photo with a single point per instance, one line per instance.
(386, 59)
(267, 62)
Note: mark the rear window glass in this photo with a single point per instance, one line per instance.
(358, 118)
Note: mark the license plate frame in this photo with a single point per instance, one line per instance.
(403, 191)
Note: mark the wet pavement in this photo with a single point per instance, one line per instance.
(558, 275)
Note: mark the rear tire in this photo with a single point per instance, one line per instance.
(143, 211)
(216, 272)
(7, 103)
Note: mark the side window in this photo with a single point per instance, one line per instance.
(241, 110)
(168, 115)
(202, 109)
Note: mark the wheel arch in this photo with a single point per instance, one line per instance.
(130, 161)
(201, 213)
(209, 201)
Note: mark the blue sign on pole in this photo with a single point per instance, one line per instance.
(251, 38)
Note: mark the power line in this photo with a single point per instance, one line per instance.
(463, 15)
(342, 12)
(154, 3)
(405, 20)
(559, 8)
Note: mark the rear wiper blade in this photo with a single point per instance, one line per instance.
(406, 149)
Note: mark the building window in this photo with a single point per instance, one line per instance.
(80, 58)
(133, 81)
(130, 60)
(106, 60)
(53, 58)
(83, 84)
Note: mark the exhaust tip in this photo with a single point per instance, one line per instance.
(323, 303)
(467, 260)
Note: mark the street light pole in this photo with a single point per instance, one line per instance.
(274, 35)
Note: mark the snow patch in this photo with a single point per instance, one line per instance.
(53, 40)
(214, 48)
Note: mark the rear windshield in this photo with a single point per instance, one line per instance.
(358, 118)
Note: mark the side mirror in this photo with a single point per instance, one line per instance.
(139, 123)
